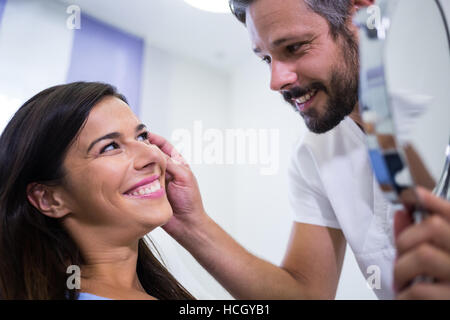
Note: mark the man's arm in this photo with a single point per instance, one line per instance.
(310, 269)
(311, 266)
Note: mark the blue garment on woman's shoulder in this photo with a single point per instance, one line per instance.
(90, 296)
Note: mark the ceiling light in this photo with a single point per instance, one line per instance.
(216, 6)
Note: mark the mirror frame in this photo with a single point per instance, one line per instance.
(389, 160)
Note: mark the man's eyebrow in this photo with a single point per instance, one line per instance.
(113, 135)
(279, 42)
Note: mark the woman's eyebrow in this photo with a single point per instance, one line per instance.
(113, 135)
(140, 127)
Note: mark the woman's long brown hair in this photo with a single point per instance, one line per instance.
(35, 250)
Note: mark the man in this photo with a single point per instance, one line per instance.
(311, 49)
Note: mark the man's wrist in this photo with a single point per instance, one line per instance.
(195, 233)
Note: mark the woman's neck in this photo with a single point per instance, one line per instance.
(111, 271)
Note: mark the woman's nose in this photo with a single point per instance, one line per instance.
(146, 155)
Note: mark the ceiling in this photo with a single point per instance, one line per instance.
(218, 40)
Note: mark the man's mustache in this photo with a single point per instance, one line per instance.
(297, 92)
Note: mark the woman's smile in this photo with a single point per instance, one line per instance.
(149, 188)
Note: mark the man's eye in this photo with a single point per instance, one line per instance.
(294, 48)
(300, 46)
(109, 147)
(143, 136)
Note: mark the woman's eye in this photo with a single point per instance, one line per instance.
(143, 136)
(266, 59)
(109, 147)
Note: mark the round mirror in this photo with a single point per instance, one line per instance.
(405, 96)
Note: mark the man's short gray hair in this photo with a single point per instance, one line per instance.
(336, 12)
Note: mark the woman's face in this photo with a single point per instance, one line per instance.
(114, 181)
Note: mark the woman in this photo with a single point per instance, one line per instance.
(81, 186)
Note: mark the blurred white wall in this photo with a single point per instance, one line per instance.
(35, 47)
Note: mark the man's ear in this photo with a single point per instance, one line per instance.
(47, 200)
(357, 4)
(363, 3)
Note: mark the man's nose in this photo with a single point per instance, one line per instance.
(283, 75)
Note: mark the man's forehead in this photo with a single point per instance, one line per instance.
(271, 24)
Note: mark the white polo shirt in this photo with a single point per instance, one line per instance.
(331, 184)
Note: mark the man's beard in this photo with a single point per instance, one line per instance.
(342, 93)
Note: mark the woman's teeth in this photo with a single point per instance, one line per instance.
(148, 189)
(305, 98)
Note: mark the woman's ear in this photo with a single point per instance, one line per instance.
(47, 200)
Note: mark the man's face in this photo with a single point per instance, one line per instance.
(315, 73)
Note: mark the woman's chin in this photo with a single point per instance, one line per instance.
(158, 217)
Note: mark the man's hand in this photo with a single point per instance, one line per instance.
(182, 191)
(311, 266)
(423, 250)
